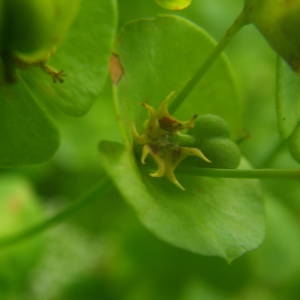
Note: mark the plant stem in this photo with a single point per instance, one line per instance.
(59, 217)
(243, 174)
(237, 25)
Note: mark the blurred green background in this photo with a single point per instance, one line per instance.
(103, 252)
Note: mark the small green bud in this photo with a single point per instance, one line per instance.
(279, 22)
(212, 136)
(222, 152)
(209, 125)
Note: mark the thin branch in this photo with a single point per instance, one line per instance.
(57, 218)
(243, 174)
(238, 24)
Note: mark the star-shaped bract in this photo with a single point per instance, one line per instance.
(161, 140)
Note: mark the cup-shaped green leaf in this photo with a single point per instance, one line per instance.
(213, 216)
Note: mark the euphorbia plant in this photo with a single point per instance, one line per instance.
(159, 207)
(212, 203)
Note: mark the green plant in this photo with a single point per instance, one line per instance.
(174, 109)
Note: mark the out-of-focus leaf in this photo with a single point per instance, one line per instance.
(280, 250)
(19, 209)
(197, 289)
(174, 4)
(99, 123)
(288, 94)
(27, 136)
(76, 254)
(83, 56)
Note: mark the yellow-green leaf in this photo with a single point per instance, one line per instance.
(174, 4)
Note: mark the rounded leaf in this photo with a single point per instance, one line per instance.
(159, 56)
(174, 4)
(83, 56)
(218, 217)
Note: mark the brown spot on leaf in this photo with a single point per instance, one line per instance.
(115, 68)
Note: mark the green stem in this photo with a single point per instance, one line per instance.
(57, 218)
(192, 82)
(244, 174)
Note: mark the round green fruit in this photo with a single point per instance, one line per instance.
(222, 152)
(208, 126)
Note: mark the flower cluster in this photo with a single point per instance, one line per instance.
(164, 139)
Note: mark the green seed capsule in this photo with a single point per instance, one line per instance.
(208, 126)
(222, 152)
(279, 22)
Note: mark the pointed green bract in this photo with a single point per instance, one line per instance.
(174, 4)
